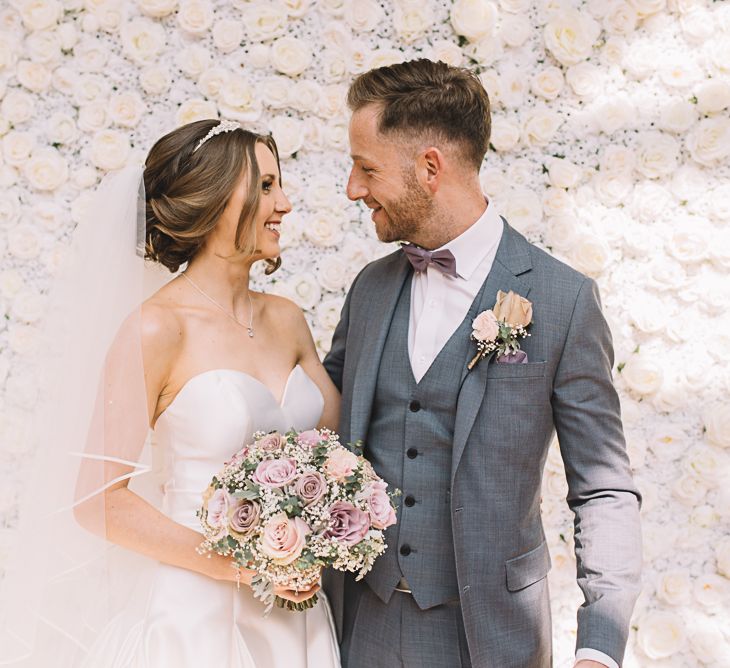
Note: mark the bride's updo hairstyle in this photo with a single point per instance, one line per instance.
(186, 190)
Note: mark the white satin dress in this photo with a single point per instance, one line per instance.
(192, 621)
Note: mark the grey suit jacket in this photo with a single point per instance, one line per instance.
(505, 418)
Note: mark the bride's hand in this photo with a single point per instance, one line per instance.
(297, 596)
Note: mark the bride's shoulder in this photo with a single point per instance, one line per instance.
(161, 324)
(281, 311)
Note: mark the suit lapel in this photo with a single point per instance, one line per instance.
(512, 260)
(385, 290)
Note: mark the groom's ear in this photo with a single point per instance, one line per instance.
(429, 168)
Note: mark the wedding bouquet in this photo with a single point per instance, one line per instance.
(287, 506)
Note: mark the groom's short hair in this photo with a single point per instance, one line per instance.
(422, 97)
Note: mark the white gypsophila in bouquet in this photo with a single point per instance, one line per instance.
(287, 506)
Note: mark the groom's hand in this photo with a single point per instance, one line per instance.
(586, 663)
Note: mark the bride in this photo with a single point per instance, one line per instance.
(204, 363)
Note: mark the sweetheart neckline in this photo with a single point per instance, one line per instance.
(244, 374)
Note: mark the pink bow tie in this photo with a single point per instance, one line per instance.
(420, 258)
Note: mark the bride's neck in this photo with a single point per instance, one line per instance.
(224, 280)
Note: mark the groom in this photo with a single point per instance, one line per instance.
(463, 582)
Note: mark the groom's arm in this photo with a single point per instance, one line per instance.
(334, 361)
(601, 492)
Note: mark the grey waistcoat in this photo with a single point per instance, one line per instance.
(409, 443)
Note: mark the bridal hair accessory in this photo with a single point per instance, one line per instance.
(249, 327)
(223, 126)
(499, 329)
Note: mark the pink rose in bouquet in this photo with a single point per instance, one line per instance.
(379, 507)
(272, 442)
(244, 517)
(275, 472)
(310, 487)
(341, 463)
(283, 539)
(309, 438)
(348, 524)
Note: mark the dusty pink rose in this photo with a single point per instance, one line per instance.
(271, 442)
(244, 517)
(310, 487)
(340, 463)
(218, 502)
(283, 538)
(238, 457)
(382, 513)
(275, 472)
(348, 525)
(309, 438)
(485, 326)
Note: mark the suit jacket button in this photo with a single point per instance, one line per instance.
(410, 501)
(415, 406)
(412, 453)
(405, 550)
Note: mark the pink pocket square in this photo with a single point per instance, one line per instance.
(519, 357)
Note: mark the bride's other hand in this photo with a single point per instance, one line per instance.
(297, 596)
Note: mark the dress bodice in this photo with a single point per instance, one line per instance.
(214, 414)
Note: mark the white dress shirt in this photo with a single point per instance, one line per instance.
(439, 303)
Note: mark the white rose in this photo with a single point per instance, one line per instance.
(564, 173)
(688, 245)
(325, 228)
(707, 463)
(91, 56)
(23, 242)
(505, 134)
(713, 96)
(613, 114)
(40, 14)
(674, 588)
(265, 21)
(65, 80)
(297, 8)
(259, 56)
(213, 81)
(227, 35)
(291, 56)
(561, 231)
(275, 91)
(28, 305)
(718, 54)
(109, 150)
(661, 634)
(717, 425)
(383, 58)
(195, 16)
(569, 36)
(44, 47)
(617, 160)
(17, 106)
(711, 590)
(647, 7)
(333, 65)
(143, 40)
(557, 202)
(85, 176)
(195, 109)
(11, 283)
(642, 374)
(585, 80)
(474, 19)
(656, 154)
(610, 189)
(238, 100)
(620, 19)
(521, 172)
(679, 73)
(48, 214)
(93, 116)
(46, 170)
(697, 26)
(90, 88)
(540, 127)
(9, 208)
(650, 201)
(590, 254)
(690, 490)
(708, 643)
(722, 556)
(9, 50)
(689, 182)
(305, 290)
(703, 516)
(333, 273)
(17, 147)
(709, 141)
(359, 55)
(155, 80)
(412, 21)
(61, 128)
(194, 60)
(493, 181)
(332, 7)
(332, 102)
(126, 108)
(362, 15)
(446, 51)
(288, 134)
(515, 29)
(677, 116)
(305, 95)
(523, 209)
(157, 8)
(548, 83)
(484, 51)
(328, 313)
(107, 15)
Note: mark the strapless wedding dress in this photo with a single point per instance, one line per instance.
(192, 621)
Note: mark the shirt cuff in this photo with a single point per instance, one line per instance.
(594, 655)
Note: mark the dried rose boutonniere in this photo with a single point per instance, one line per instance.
(500, 329)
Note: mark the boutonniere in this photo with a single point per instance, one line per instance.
(500, 329)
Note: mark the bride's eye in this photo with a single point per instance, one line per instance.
(267, 186)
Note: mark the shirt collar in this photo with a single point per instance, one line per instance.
(474, 244)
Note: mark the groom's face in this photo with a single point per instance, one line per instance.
(382, 176)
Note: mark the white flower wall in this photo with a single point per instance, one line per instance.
(611, 149)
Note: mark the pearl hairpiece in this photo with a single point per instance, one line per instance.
(223, 126)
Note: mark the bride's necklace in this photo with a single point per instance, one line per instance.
(230, 315)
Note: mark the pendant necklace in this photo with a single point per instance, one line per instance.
(249, 328)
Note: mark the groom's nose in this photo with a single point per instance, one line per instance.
(355, 188)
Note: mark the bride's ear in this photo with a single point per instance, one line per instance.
(272, 265)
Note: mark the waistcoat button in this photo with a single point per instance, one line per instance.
(405, 550)
(410, 501)
(412, 453)
(415, 406)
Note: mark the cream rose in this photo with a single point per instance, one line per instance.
(155, 80)
(590, 254)
(194, 60)
(412, 20)
(564, 173)
(333, 273)
(515, 29)
(362, 15)
(213, 81)
(562, 231)
(126, 108)
(674, 588)
(40, 14)
(585, 80)
(195, 16)
(288, 133)
(290, 56)
(93, 116)
(707, 463)
(328, 313)
(642, 374)
(645, 8)
(265, 21)
(612, 190)
(474, 19)
(708, 643)
(677, 116)
(657, 154)
(24, 242)
(227, 35)
(34, 76)
(446, 51)
(61, 128)
(157, 8)
(340, 463)
(679, 73)
(515, 6)
(109, 150)
(143, 40)
(90, 88)
(195, 109)
(523, 209)
(17, 147)
(569, 36)
(238, 100)
(305, 290)
(305, 95)
(689, 489)
(717, 425)
(709, 141)
(613, 114)
(9, 209)
(661, 634)
(505, 134)
(722, 556)
(485, 51)
(713, 96)
(711, 590)
(46, 170)
(548, 83)
(17, 106)
(325, 228)
(540, 127)
(297, 8)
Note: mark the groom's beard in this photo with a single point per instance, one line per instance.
(406, 215)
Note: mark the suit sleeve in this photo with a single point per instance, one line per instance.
(601, 492)
(334, 361)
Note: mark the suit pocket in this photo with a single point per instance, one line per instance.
(528, 568)
(529, 370)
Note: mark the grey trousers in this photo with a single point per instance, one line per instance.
(400, 634)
